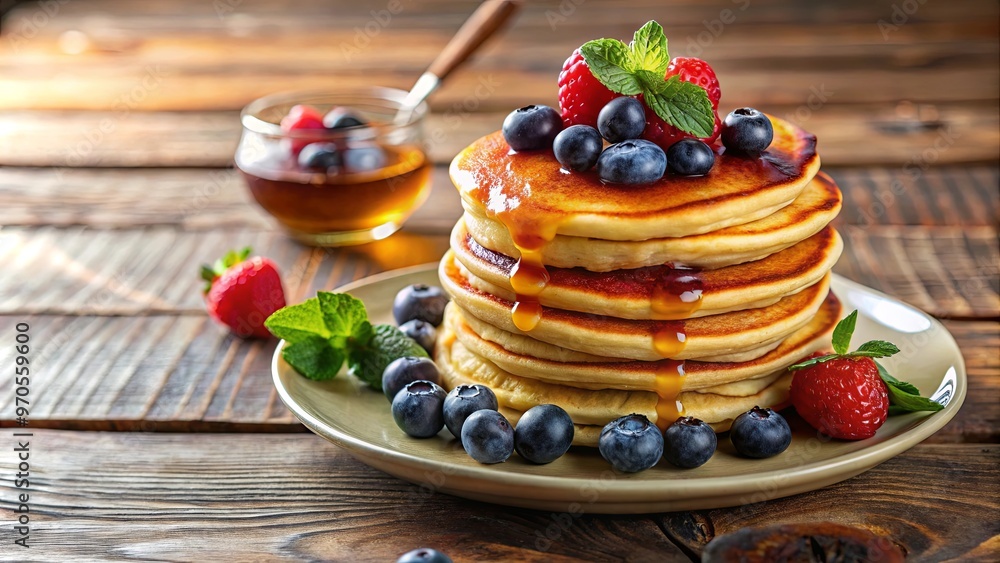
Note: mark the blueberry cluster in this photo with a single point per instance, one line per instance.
(421, 408)
(328, 156)
(629, 159)
(632, 443)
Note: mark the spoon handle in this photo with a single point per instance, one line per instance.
(484, 22)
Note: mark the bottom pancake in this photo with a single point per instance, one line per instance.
(592, 409)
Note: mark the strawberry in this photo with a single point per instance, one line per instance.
(243, 292)
(581, 94)
(844, 397)
(299, 119)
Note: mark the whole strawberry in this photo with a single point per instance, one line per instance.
(581, 94)
(844, 397)
(848, 395)
(243, 292)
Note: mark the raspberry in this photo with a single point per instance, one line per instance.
(696, 71)
(581, 94)
(665, 135)
(844, 398)
(299, 119)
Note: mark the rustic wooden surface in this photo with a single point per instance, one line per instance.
(118, 121)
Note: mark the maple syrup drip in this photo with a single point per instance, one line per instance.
(676, 293)
(526, 313)
(669, 381)
(528, 276)
(669, 339)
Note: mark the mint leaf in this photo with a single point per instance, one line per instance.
(648, 50)
(902, 402)
(296, 323)
(314, 358)
(388, 343)
(342, 313)
(876, 349)
(892, 381)
(843, 332)
(609, 60)
(905, 397)
(684, 105)
(813, 361)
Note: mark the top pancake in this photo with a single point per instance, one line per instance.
(536, 200)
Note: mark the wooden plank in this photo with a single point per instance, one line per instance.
(183, 373)
(950, 272)
(915, 136)
(143, 494)
(198, 57)
(200, 199)
(121, 87)
(154, 270)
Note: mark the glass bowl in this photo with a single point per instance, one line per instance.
(339, 205)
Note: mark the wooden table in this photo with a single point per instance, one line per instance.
(156, 435)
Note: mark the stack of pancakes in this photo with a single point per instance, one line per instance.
(688, 296)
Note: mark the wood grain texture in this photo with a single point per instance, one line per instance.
(963, 132)
(230, 56)
(141, 496)
(206, 199)
(152, 270)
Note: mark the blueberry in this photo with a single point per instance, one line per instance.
(364, 158)
(424, 302)
(543, 434)
(760, 433)
(464, 400)
(635, 161)
(689, 443)
(403, 371)
(342, 118)
(747, 131)
(422, 332)
(631, 443)
(488, 437)
(320, 156)
(424, 555)
(531, 127)
(622, 119)
(417, 409)
(578, 147)
(690, 157)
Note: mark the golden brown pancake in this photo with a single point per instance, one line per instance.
(639, 293)
(536, 200)
(526, 357)
(813, 210)
(735, 336)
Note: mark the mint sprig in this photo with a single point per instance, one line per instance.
(903, 397)
(639, 68)
(332, 328)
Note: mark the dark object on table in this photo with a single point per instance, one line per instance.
(817, 541)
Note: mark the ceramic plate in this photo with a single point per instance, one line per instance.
(358, 419)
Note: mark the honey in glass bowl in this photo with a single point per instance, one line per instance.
(335, 206)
